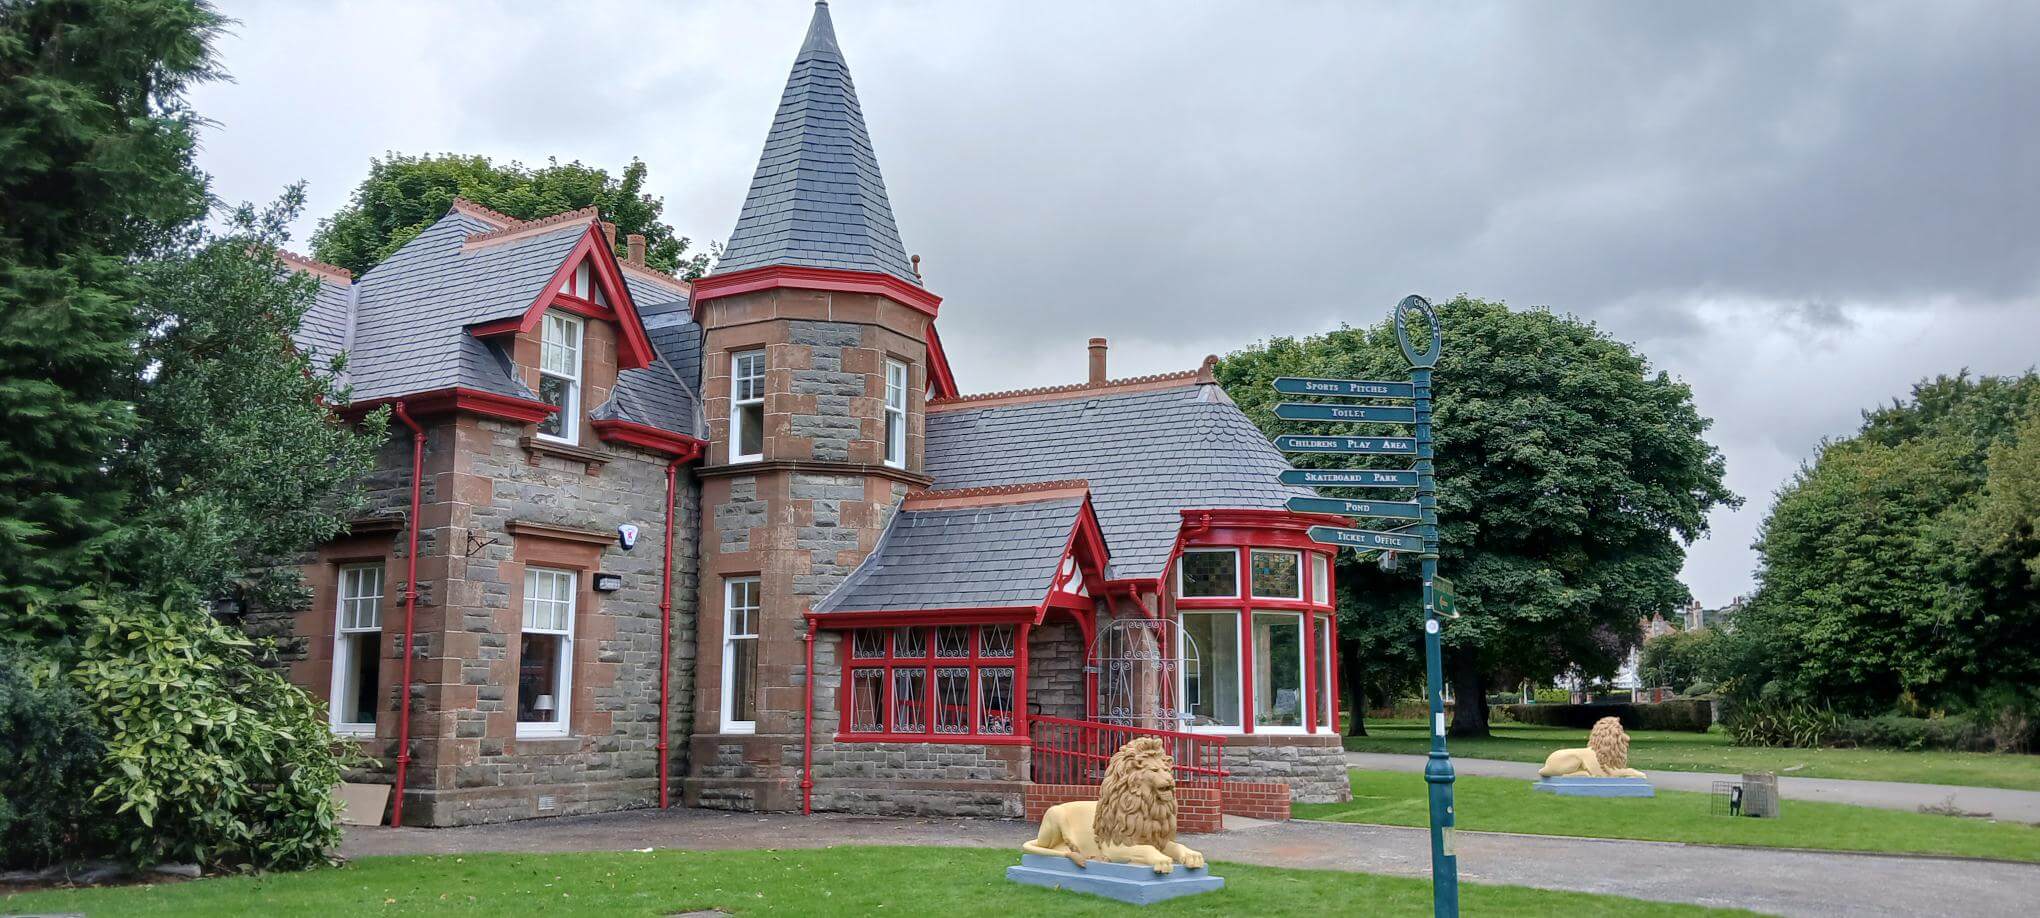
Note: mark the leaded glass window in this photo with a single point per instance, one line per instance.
(952, 641)
(867, 643)
(867, 700)
(952, 699)
(910, 643)
(995, 641)
(1278, 574)
(1209, 573)
(995, 700)
(910, 701)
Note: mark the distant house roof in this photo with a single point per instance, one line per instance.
(1149, 448)
(817, 199)
(996, 556)
(405, 324)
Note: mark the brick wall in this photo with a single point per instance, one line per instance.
(1197, 808)
(1257, 799)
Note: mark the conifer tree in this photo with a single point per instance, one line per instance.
(96, 172)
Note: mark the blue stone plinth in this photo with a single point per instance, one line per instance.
(1596, 787)
(1137, 884)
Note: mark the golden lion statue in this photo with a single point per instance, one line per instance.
(1606, 755)
(1133, 821)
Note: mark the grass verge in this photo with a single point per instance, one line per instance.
(1509, 805)
(1662, 750)
(834, 881)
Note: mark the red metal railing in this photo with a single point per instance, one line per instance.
(1077, 751)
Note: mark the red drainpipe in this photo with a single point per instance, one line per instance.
(410, 609)
(807, 730)
(666, 630)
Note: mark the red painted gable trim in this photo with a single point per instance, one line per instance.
(461, 398)
(941, 381)
(634, 348)
(680, 446)
(800, 278)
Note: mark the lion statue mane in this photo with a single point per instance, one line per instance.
(1606, 755)
(1133, 821)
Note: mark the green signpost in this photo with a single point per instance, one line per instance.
(1351, 478)
(1379, 414)
(1421, 539)
(1386, 509)
(1358, 446)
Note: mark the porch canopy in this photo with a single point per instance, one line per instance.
(939, 614)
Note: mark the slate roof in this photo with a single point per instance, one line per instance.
(406, 326)
(412, 311)
(972, 558)
(1147, 454)
(663, 394)
(817, 199)
(322, 332)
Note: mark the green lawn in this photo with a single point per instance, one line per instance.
(1509, 805)
(835, 881)
(1662, 750)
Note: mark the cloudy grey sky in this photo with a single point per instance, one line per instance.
(1799, 208)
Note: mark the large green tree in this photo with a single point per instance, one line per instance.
(404, 194)
(238, 458)
(1570, 478)
(1898, 567)
(96, 173)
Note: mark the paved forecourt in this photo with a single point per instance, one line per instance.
(1998, 802)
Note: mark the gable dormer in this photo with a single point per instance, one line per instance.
(568, 344)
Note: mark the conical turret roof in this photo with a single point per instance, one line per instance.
(817, 199)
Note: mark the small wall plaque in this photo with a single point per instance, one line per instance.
(608, 583)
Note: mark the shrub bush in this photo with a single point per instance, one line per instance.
(1778, 724)
(210, 757)
(1690, 715)
(1893, 731)
(1553, 696)
(49, 761)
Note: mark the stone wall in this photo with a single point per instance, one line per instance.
(921, 779)
(492, 503)
(1314, 766)
(800, 519)
(1055, 670)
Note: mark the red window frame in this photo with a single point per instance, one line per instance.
(1246, 604)
(889, 663)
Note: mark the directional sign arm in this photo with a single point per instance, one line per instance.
(1372, 414)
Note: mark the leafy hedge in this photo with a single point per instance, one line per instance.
(210, 757)
(49, 759)
(1690, 715)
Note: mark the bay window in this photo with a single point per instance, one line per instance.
(545, 654)
(1210, 652)
(559, 376)
(1209, 573)
(932, 681)
(741, 601)
(1278, 669)
(357, 649)
(1254, 639)
(896, 414)
(747, 406)
(1277, 574)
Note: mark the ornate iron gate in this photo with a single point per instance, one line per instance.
(1135, 662)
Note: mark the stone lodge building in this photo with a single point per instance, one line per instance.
(743, 543)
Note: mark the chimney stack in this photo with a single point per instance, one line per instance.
(636, 243)
(1097, 360)
(609, 232)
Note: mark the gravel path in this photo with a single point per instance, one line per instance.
(2011, 805)
(1779, 882)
